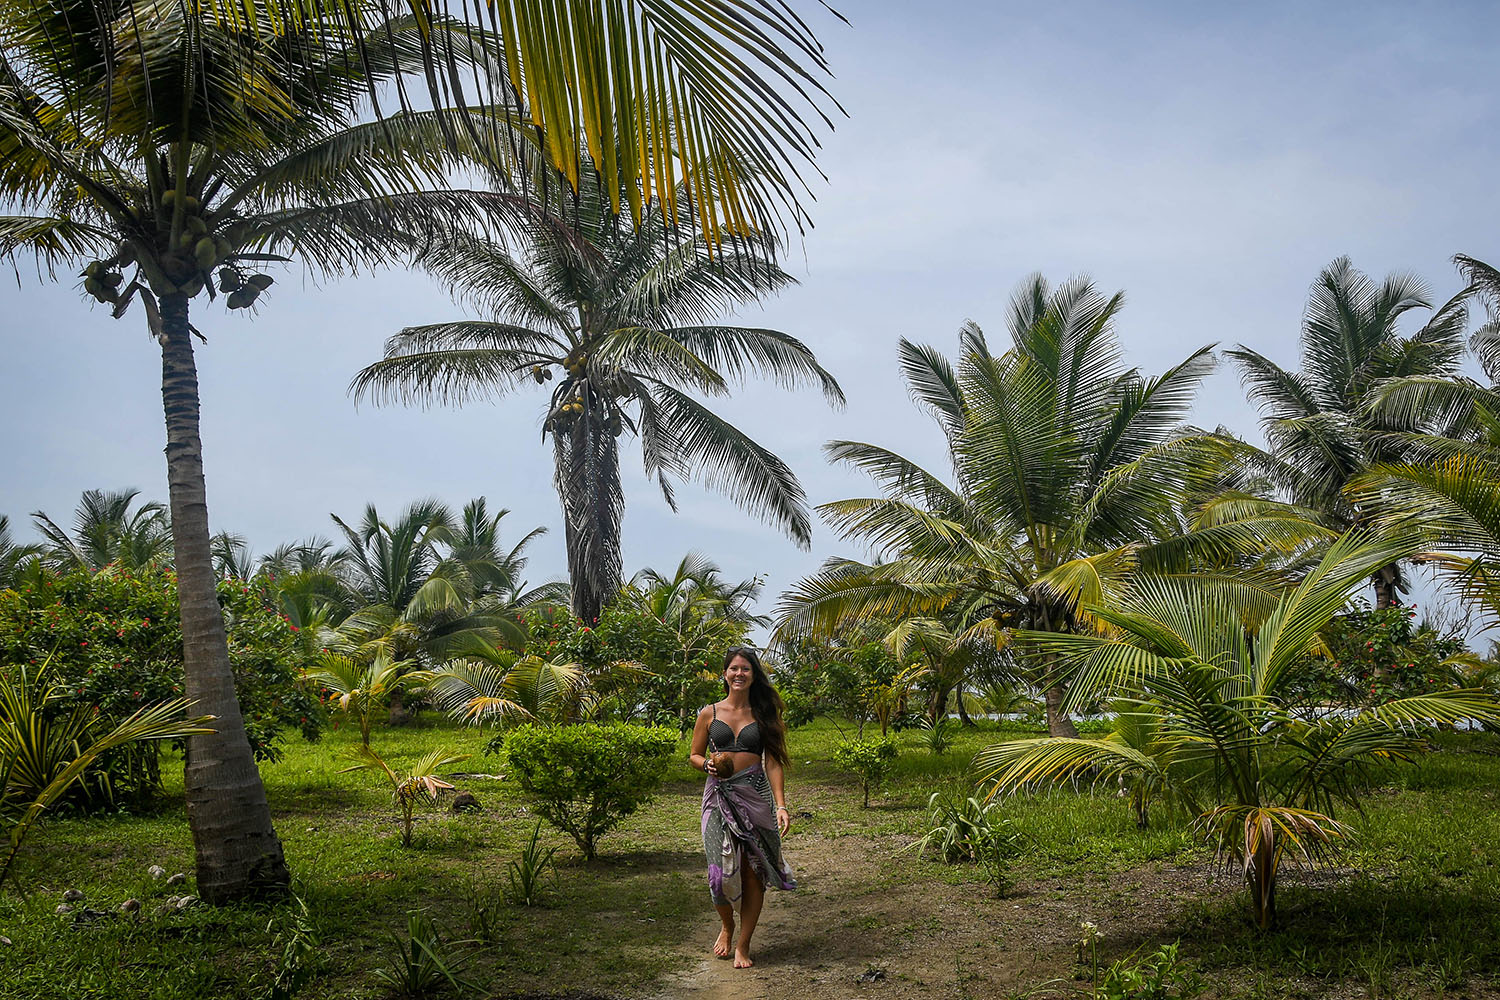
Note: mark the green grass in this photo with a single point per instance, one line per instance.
(1417, 905)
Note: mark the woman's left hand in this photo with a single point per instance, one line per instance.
(783, 820)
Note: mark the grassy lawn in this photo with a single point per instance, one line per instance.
(1413, 908)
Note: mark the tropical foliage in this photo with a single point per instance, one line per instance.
(1069, 473)
(1262, 775)
(1322, 422)
(155, 148)
(47, 746)
(586, 779)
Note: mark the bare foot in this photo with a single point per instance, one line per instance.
(721, 946)
(742, 960)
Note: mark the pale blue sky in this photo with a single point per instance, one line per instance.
(1207, 160)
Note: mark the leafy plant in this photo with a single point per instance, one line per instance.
(408, 786)
(524, 875)
(1158, 976)
(585, 779)
(43, 752)
(939, 735)
(300, 960)
(960, 827)
(485, 904)
(1263, 777)
(870, 760)
(362, 688)
(114, 642)
(423, 963)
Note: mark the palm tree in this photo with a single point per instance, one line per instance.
(1323, 423)
(362, 687)
(628, 314)
(107, 532)
(389, 562)
(431, 589)
(193, 137)
(1454, 503)
(1063, 472)
(1227, 735)
(13, 556)
(946, 656)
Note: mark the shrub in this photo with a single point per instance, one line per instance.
(585, 779)
(1374, 656)
(800, 707)
(868, 759)
(114, 643)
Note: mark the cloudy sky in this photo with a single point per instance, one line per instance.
(1208, 159)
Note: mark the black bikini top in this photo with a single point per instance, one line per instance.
(747, 740)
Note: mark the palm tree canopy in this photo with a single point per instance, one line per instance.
(1323, 422)
(106, 531)
(625, 317)
(710, 94)
(1063, 467)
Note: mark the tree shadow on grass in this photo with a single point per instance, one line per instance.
(642, 859)
(1356, 928)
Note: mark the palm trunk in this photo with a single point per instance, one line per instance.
(937, 707)
(963, 711)
(587, 476)
(1058, 723)
(1384, 580)
(1260, 876)
(238, 853)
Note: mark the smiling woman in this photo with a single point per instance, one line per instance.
(740, 743)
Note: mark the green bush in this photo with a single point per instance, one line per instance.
(1374, 656)
(114, 643)
(585, 779)
(868, 759)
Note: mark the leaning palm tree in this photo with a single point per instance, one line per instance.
(161, 145)
(1323, 423)
(107, 532)
(628, 314)
(1226, 733)
(1065, 469)
(162, 140)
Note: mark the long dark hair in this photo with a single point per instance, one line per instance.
(765, 703)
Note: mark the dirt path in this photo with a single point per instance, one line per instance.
(836, 938)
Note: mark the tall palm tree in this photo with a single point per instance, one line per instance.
(1061, 481)
(1213, 664)
(168, 140)
(107, 532)
(169, 143)
(628, 314)
(1322, 423)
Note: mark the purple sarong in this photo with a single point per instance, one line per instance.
(739, 827)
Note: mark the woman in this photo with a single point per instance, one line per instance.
(744, 809)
